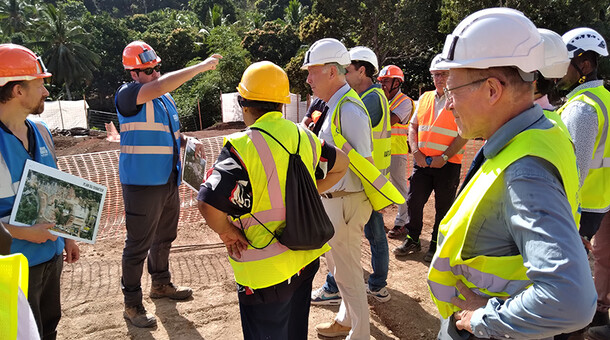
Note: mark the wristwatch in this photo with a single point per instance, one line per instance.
(444, 157)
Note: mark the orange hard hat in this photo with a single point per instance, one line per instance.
(138, 55)
(20, 63)
(391, 71)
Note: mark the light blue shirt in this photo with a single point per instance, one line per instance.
(529, 214)
(356, 128)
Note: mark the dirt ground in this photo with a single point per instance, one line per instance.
(92, 301)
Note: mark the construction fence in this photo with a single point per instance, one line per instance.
(103, 168)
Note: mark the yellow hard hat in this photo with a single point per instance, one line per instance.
(265, 81)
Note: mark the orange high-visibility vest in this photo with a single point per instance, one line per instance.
(435, 135)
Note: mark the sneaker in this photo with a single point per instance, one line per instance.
(332, 329)
(321, 297)
(397, 232)
(169, 290)
(139, 317)
(381, 295)
(407, 247)
(429, 256)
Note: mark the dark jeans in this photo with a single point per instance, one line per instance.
(151, 217)
(44, 296)
(444, 181)
(280, 311)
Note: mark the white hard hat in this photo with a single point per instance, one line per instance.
(434, 64)
(494, 37)
(324, 51)
(362, 53)
(556, 60)
(584, 39)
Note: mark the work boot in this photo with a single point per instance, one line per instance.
(169, 290)
(409, 246)
(332, 329)
(139, 317)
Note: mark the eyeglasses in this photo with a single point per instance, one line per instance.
(448, 91)
(150, 70)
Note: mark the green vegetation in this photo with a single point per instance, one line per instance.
(81, 40)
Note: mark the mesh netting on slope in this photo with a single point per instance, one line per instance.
(103, 168)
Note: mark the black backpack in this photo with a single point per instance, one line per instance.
(307, 224)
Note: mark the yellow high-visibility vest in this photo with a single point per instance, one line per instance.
(14, 274)
(494, 275)
(400, 132)
(382, 132)
(377, 187)
(595, 191)
(267, 164)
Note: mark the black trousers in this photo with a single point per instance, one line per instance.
(444, 181)
(44, 296)
(151, 217)
(278, 312)
(589, 223)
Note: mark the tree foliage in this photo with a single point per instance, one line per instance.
(81, 41)
(65, 54)
(275, 41)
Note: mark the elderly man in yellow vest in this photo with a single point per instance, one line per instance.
(346, 203)
(509, 262)
(247, 183)
(437, 153)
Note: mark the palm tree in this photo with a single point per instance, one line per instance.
(63, 51)
(294, 13)
(16, 16)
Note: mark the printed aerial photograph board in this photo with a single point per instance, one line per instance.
(48, 195)
(193, 167)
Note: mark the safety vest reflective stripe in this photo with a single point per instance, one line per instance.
(267, 163)
(252, 254)
(315, 150)
(434, 135)
(14, 273)
(381, 133)
(380, 195)
(493, 282)
(143, 149)
(439, 147)
(263, 216)
(595, 191)
(273, 182)
(144, 126)
(494, 275)
(401, 130)
(397, 100)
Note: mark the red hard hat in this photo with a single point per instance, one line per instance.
(391, 71)
(19, 63)
(138, 55)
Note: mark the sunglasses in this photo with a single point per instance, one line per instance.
(149, 71)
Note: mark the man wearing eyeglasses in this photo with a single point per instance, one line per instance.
(437, 154)
(150, 169)
(509, 263)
